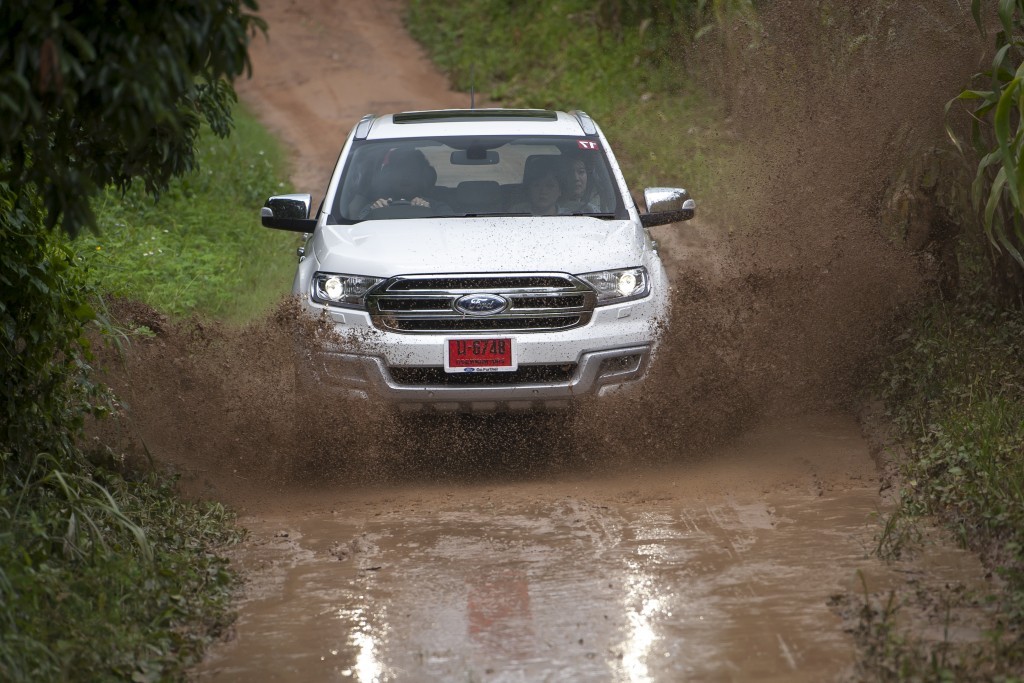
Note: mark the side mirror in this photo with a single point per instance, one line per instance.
(667, 205)
(288, 212)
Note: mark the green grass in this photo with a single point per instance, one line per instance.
(955, 391)
(199, 249)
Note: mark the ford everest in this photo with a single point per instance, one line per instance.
(479, 260)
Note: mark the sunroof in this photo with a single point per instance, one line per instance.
(445, 115)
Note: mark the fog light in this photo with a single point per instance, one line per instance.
(620, 365)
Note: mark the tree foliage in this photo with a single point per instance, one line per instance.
(997, 137)
(92, 95)
(101, 93)
(43, 348)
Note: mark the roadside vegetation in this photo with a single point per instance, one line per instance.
(953, 390)
(954, 394)
(953, 383)
(197, 250)
(105, 574)
(953, 387)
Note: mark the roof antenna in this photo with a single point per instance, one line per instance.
(472, 85)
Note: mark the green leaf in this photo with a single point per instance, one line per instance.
(994, 197)
(1003, 136)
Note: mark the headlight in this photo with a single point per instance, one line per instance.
(342, 290)
(615, 286)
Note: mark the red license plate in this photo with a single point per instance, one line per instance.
(473, 354)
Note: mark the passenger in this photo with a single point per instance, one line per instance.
(581, 197)
(405, 179)
(543, 190)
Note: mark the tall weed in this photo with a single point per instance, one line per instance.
(107, 578)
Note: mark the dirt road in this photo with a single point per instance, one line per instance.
(546, 566)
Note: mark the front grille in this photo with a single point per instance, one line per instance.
(525, 374)
(395, 303)
(537, 302)
(575, 301)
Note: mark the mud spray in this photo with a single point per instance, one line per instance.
(785, 311)
(807, 272)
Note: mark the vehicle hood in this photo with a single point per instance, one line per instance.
(570, 244)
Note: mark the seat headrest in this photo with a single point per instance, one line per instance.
(479, 194)
(539, 164)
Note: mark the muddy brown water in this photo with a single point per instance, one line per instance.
(717, 569)
(697, 534)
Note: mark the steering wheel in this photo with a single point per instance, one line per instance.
(400, 208)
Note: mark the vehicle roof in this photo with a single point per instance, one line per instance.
(472, 122)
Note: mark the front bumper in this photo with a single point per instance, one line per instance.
(609, 354)
(596, 373)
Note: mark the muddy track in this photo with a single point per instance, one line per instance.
(622, 556)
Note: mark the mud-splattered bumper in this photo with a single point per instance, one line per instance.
(596, 373)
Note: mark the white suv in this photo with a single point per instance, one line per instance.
(479, 260)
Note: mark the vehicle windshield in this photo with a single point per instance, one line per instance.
(476, 176)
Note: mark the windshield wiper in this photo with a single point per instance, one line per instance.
(501, 214)
(504, 214)
(602, 215)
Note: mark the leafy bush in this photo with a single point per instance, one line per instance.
(98, 95)
(44, 353)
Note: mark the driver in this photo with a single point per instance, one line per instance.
(404, 180)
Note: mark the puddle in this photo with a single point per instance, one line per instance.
(719, 569)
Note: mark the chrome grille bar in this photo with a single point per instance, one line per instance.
(537, 302)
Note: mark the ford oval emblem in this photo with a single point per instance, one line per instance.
(481, 304)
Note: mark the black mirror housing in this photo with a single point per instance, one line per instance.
(288, 212)
(667, 205)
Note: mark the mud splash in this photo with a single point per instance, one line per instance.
(221, 406)
(781, 303)
(785, 298)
